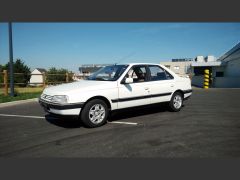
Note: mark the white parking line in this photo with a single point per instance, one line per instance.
(13, 115)
(119, 122)
(42, 117)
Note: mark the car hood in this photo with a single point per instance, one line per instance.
(79, 86)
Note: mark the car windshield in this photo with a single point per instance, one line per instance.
(108, 73)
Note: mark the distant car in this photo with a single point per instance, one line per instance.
(116, 87)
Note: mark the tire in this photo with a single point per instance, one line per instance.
(176, 102)
(94, 113)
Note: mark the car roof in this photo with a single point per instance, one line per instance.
(139, 64)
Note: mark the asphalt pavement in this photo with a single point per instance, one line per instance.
(207, 126)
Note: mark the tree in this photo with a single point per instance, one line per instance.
(2, 67)
(19, 67)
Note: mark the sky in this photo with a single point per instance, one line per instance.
(68, 45)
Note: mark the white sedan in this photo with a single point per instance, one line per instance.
(116, 87)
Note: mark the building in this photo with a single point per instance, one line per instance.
(225, 71)
(231, 61)
(179, 66)
(37, 77)
(182, 60)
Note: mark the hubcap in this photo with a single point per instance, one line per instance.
(177, 101)
(97, 113)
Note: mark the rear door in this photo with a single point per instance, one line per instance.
(161, 84)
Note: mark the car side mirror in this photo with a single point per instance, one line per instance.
(128, 80)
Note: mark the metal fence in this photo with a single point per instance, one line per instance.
(67, 77)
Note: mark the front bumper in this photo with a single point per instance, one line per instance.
(61, 109)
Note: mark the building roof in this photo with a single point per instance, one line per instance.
(212, 63)
(235, 51)
(182, 59)
(42, 70)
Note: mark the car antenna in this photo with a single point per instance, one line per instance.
(124, 58)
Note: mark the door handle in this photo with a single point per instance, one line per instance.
(146, 88)
(172, 85)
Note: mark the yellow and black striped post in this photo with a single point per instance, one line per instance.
(206, 79)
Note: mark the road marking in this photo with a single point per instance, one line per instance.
(7, 104)
(120, 122)
(13, 115)
(42, 117)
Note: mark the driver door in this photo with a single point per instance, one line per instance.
(136, 93)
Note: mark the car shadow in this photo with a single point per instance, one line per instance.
(64, 121)
(138, 111)
(74, 122)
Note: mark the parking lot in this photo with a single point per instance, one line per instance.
(207, 126)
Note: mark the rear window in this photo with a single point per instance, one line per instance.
(157, 73)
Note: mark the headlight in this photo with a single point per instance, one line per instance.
(60, 99)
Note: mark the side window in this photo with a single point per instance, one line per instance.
(157, 73)
(169, 76)
(138, 73)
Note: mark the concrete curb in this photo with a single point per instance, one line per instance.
(18, 102)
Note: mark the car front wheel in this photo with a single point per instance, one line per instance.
(176, 102)
(94, 113)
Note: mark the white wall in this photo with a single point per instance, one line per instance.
(218, 69)
(36, 78)
(227, 82)
(233, 68)
(233, 64)
(218, 82)
(182, 66)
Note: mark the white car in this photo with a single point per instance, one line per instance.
(116, 87)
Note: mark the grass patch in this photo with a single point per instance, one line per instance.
(19, 96)
(23, 89)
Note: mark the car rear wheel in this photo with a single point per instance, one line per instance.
(176, 102)
(94, 113)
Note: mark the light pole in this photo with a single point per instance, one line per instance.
(11, 59)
